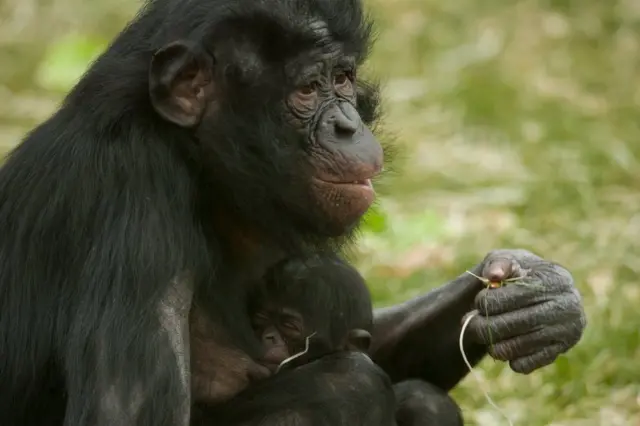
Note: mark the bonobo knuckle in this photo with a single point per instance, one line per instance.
(508, 253)
(522, 367)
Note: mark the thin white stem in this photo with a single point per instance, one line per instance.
(299, 354)
(475, 374)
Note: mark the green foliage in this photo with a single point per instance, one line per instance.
(375, 221)
(67, 60)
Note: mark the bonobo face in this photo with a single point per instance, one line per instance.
(283, 333)
(279, 124)
(343, 151)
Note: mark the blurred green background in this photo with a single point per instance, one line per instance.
(518, 123)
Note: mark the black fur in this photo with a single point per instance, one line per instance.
(422, 404)
(343, 389)
(105, 203)
(330, 294)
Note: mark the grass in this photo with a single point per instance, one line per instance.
(518, 127)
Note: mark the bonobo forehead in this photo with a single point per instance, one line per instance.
(281, 31)
(325, 40)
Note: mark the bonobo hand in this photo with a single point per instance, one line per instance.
(527, 322)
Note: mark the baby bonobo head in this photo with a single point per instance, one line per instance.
(318, 306)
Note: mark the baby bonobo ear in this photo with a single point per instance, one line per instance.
(359, 340)
(180, 83)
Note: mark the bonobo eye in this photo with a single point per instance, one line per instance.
(291, 324)
(308, 90)
(260, 318)
(340, 79)
(343, 83)
(304, 98)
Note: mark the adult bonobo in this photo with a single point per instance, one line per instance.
(212, 139)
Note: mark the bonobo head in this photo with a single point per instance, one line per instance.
(270, 97)
(324, 298)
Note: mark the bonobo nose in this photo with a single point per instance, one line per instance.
(272, 338)
(347, 118)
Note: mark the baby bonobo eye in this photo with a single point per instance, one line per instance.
(291, 323)
(359, 340)
(260, 319)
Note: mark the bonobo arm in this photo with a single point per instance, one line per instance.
(419, 338)
(527, 322)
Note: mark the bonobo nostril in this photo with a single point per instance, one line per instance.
(347, 119)
(272, 338)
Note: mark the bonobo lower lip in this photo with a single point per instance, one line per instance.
(344, 202)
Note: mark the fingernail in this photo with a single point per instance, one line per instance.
(496, 273)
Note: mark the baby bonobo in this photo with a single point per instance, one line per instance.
(305, 311)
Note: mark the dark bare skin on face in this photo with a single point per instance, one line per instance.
(343, 150)
(283, 334)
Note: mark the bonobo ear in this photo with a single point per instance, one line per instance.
(180, 83)
(359, 340)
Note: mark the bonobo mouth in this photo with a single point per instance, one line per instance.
(359, 188)
(363, 185)
(354, 189)
(361, 177)
(366, 182)
(346, 197)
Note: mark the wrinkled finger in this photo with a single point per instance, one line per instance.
(510, 298)
(527, 344)
(514, 296)
(542, 358)
(496, 328)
